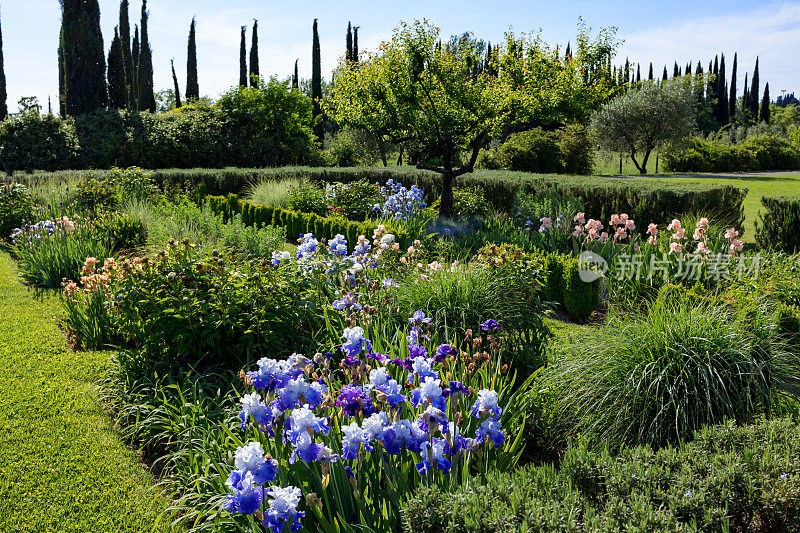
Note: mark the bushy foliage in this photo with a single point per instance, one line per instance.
(123, 231)
(264, 126)
(566, 150)
(776, 227)
(188, 309)
(733, 478)
(659, 377)
(97, 191)
(353, 148)
(354, 200)
(580, 298)
(762, 152)
(17, 204)
(37, 142)
(307, 197)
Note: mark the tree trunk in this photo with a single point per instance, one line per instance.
(643, 170)
(446, 203)
(382, 148)
(400, 157)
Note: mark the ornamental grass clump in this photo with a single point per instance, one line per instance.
(355, 439)
(656, 378)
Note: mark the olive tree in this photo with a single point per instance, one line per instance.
(444, 101)
(645, 118)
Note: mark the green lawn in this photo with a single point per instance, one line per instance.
(62, 465)
(757, 187)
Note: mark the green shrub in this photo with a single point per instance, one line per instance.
(577, 149)
(186, 308)
(17, 204)
(553, 269)
(760, 152)
(353, 200)
(272, 193)
(777, 226)
(31, 141)
(580, 298)
(123, 231)
(529, 151)
(308, 198)
(353, 148)
(729, 478)
(658, 377)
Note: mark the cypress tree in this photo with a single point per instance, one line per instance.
(316, 83)
(675, 71)
(568, 54)
(699, 83)
(84, 57)
(243, 59)
(49, 106)
(192, 85)
(3, 94)
(254, 57)
(732, 102)
(765, 112)
(147, 99)
(355, 44)
(627, 71)
(349, 42)
(638, 74)
(175, 84)
(135, 49)
(754, 101)
(711, 95)
(689, 68)
(295, 77)
(650, 74)
(745, 97)
(722, 93)
(664, 76)
(117, 82)
(62, 90)
(125, 38)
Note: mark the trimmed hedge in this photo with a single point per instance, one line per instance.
(778, 228)
(761, 152)
(645, 200)
(295, 223)
(741, 478)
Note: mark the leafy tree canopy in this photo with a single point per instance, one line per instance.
(646, 118)
(447, 100)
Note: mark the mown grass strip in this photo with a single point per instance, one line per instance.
(62, 465)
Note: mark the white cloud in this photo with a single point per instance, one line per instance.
(772, 33)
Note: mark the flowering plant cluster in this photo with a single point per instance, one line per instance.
(371, 428)
(400, 202)
(42, 229)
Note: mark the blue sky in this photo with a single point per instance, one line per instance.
(653, 31)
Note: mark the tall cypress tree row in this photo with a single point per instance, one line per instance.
(688, 68)
(638, 74)
(650, 74)
(675, 71)
(3, 93)
(254, 74)
(627, 71)
(316, 83)
(754, 100)
(732, 101)
(192, 84)
(125, 39)
(175, 84)
(711, 94)
(117, 82)
(84, 57)
(664, 75)
(355, 44)
(349, 42)
(243, 59)
(765, 112)
(147, 99)
(135, 50)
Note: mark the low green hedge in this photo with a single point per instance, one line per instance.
(728, 478)
(294, 222)
(645, 200)
(778, 227)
